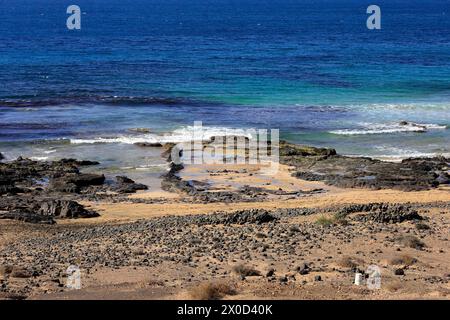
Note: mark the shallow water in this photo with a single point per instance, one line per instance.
(308, 68)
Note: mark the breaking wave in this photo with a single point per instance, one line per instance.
(184, 134)
(390, 128)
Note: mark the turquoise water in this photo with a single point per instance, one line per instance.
(309, 68)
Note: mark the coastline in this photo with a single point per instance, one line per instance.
(165, 244)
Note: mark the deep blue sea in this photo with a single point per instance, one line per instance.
(309, 68)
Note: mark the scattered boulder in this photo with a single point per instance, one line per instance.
(399, 272)
(303, 268)
(127, 185)
(36, 210)
(270, 272)
(65, 209)
(86, 179)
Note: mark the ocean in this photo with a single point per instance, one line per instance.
(311, 69)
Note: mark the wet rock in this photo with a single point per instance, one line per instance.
(127, 185)
(148, 144)
(443, 178)
(361, 172)
(85, 179)
(288, 149)
(80, 163)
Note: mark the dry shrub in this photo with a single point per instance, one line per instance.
(156, 283)
(404, 259)
(350, 262)
(392, 286)
(422, 226)
(260, 235)
(324, 221)
(212, 291)
(411, 242)
(245, 271)
(6, 270)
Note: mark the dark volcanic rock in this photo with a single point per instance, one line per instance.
(350, 172)
(123, 179)
(10, 189)
(127, 185)
(27, 217)
(85, 179)
(65, 209)
(148, 144)
(80, 163)
(37, 210)
(73, 183)
(382, 212)
(399, 272)
(60, 185)
(257, 216)
(288, 149)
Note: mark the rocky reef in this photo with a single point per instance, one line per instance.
(40, 191)
(321, 164)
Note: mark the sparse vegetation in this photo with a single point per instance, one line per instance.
(212, 291)
(340, 219)
(156, 283)
(392, 286)
(404, 259)
(411, 242)
(245, 271)
(422, 226)
(325, 221)
(350, 262)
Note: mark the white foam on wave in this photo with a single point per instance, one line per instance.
(38, 158)
(184, 134)
(374, 128)
(395, 154)
(437, 105)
